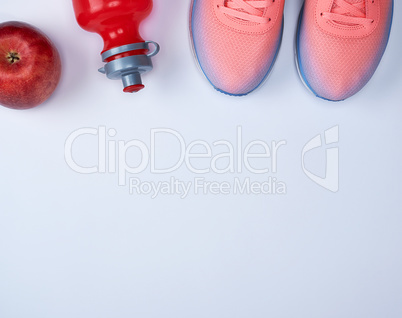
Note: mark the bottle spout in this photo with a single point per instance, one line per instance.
(129, 68)
(133, 88)
(132, 82)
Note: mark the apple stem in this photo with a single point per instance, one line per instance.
(13, 57)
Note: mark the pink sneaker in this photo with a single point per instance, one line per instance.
(236, 41)
(340, 43)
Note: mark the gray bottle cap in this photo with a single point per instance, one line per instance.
(129, 68)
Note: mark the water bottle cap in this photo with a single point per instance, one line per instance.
(133, 88)
(129, 68)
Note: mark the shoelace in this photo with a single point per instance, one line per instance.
(248, 10)
(348, 13)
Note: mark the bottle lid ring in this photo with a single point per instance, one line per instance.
(131, 47)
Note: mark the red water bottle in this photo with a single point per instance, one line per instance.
(125, 53)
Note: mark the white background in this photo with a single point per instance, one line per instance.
(74, 245)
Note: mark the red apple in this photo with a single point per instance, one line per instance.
(30, 66)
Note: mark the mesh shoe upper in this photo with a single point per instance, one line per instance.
(235, 52)
(341, 43)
